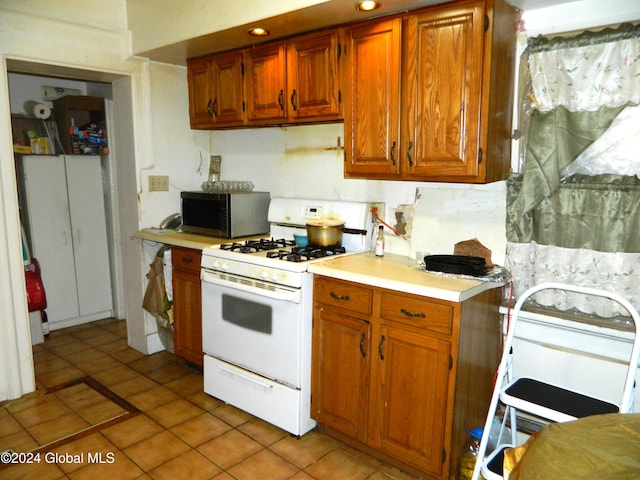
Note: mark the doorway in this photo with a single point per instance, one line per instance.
(120, 184)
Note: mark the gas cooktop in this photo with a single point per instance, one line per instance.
(281, 249)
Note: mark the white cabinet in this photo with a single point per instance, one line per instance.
(62, 203)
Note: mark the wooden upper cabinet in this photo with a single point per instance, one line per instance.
(228, 105)
(200, 93)
(456, 74)
(442, 86)
(314, 75)
(216, 91)
(372, 133)
(267, 82)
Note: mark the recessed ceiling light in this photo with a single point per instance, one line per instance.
(258, 32)
(367, 5)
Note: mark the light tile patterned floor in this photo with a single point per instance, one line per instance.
(180, 432)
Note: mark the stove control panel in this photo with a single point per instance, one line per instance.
(272, 276)
(313, 213)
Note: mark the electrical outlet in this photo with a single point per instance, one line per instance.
(158, 183)
(379, 206)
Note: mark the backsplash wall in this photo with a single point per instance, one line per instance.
(307, 162)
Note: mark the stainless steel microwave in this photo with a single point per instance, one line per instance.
(226, 215)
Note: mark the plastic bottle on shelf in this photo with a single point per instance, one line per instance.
(470, 454)
(379, 248)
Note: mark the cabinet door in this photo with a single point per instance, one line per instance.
(45, 206)
(187, 304)
(409, 389)
(371, 123)
(266, 82)
(340, 372)
(228, 105)
(200, 93)
(313, 68)
(443, 52)
(89, 233)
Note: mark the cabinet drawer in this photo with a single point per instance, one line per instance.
(186, 258)
(346, 296)
(416, 312)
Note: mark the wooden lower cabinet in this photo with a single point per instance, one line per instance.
(187, 304)
(403, 376)
(341, 383)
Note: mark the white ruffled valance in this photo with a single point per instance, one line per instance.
(531, 264)
(587, 77)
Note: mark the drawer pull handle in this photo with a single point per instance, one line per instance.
(342, 298)
(412, 314)
(363, 337)
(382, 339)
(187, 260)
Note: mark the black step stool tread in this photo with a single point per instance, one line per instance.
(496, 465)
(558, 399)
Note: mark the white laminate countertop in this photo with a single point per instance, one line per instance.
(397, 272)
(182, 239)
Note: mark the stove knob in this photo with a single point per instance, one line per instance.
(275, 276)
(264, 274)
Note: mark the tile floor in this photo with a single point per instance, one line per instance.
(180, 432)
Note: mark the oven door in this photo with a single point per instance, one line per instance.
(253, 324)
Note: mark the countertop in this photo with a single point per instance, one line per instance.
(397, 272)
(182, 239)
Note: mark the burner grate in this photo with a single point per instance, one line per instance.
(303, 254)
(260, 245)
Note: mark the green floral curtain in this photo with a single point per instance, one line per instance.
(563, 225)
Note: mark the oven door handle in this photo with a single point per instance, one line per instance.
(245, 377)
(278, 293)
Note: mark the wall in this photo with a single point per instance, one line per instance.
(177, 151)
(63, 39)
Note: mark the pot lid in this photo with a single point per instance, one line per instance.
(326, 223)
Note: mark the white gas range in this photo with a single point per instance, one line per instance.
(257, 308)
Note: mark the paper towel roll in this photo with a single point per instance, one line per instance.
(37, 110)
